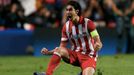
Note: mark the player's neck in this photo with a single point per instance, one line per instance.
(75, 20)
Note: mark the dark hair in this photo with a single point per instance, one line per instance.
(76, 6)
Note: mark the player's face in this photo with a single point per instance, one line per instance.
(71, 12)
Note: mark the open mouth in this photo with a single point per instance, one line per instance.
(69, 16)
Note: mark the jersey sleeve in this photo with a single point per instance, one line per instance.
(64, 36)
(92, 29)
(91, 26)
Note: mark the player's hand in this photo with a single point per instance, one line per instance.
(45, 51)
(97, 46)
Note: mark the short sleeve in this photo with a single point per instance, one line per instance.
(91, 26)
(64, 34)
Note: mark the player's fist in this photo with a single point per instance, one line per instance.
(44, 51)
(97, 46)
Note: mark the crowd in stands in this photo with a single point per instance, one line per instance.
(50, 13)
(11, 14)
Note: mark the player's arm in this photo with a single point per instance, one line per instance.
(97, 42)
(95, 36)
(64, 37)
(45, 51)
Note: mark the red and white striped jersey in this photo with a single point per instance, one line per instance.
(79, 36)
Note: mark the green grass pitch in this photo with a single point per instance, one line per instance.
(26, 65)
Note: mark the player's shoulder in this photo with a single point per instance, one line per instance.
(87, 19)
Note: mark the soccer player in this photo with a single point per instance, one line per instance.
(84, 39)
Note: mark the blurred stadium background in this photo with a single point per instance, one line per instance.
(26, 26)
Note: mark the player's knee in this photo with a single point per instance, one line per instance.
(89, 71)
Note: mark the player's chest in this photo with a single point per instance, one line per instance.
(77, 32)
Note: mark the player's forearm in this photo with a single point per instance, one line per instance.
(97, 46)
(97, 43)
(50, 52)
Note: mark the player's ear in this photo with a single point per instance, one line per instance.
(77, 11)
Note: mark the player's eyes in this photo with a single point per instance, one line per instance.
(69, 9)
